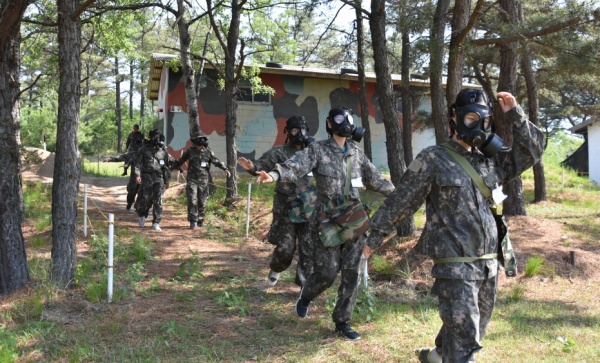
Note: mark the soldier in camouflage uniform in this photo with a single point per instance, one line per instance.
(152, 174)
(284, 233)
(128, 159)
(327, 160)
(134, 142)
(460, 234)
(200, 157)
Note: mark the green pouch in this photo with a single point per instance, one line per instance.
(303, 205)
(506, 254)
(342, 223)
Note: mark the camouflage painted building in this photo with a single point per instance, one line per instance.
(309, 92)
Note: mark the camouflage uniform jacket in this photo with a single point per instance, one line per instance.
(199, 162)
(277, 155)
(153, 162)
(459, 221)
(327, 161)
(135, 140)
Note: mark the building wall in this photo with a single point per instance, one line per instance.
(594, 151)
(260, 126)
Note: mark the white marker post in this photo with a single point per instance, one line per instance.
(111, 230)
(248, 210)
(85, 210)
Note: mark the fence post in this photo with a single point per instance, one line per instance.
(111, 231)
(248, 210)
(85, 210)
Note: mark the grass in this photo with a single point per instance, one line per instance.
(218, 310)
(99, 168)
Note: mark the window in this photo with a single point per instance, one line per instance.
(246, 96)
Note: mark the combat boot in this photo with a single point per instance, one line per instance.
(346, 331)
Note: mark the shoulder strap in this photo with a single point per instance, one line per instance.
(348, 175)
(470, 170)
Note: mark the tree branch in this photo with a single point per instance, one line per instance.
(79, 11)
(530, 35)
(472, 19)
(353, 4)
(29, 87)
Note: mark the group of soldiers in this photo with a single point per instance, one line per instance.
(152, 165)
(461, 234)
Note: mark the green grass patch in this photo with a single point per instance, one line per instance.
(99, 168)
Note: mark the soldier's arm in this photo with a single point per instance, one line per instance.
(266, 162)
(216, 162)
(294, 168)
(527, 148)
(405, 200)
(373, 179)
(137, 161)
(177, 164)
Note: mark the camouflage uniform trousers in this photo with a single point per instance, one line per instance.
(197, 192)
(132, 189)
(327, 263)
(283, 234)
(465, 308)
(150, 196)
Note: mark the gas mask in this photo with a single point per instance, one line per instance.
(200, 141)
(297, 130)
(473, 125)
(156, 138)
(342, 124)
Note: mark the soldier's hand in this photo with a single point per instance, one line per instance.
(227, 173)
(507, 101)
(367, 251)
(245, 163)
(138, 180)
(263, 177)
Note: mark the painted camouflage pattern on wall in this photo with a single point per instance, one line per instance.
(261, 125)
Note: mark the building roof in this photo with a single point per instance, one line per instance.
(582, 127)
(157, 62)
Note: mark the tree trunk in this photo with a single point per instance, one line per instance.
(118, 107)
(230, 93)
(534, 104)
(362, 83)
(507, 82)
(131, 88)
(533, 101)
(406, 99)
(142, 88)
(67, 161)
(385, 92)
(187, 70)
(456, 56)
(13, 259)
(436, 67)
